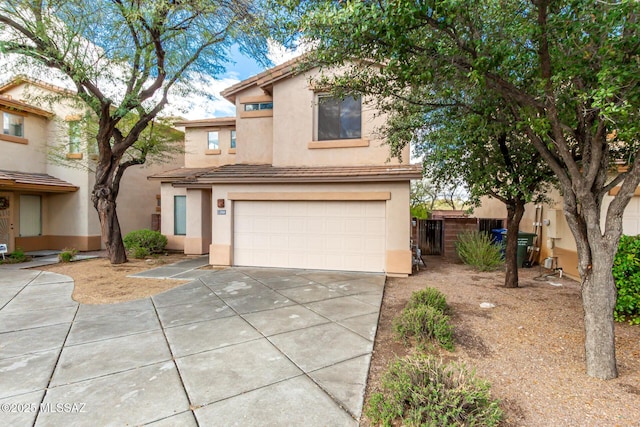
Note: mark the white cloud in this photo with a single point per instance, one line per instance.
(279, 54)
(204, 102)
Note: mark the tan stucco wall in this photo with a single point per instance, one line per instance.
(294, 122)
(197, 154)
(254, 134)
(166, 219)
(73, 214)
(557, 240)
(198, 236)
(30, 157)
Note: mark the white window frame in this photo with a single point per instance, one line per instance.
(6, 123)
(213, 144)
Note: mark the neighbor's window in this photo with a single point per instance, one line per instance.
(30, 215)
(256, 106)
(12, 124)
(339, 118)
(74, 137)
(233, 139)
(213, 141)
(180, 215)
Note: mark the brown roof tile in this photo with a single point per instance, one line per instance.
(34, 181)
(213, 122)
(13, 104)
(270, 174)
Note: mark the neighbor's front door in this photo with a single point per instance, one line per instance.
(6, 220)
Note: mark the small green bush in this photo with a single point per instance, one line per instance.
(626, 273)
(422, 391)
(424, 323)
(477, 250)
(139, 252)
(67, 255)
(153, 242)
(15, 257)
(429, 296)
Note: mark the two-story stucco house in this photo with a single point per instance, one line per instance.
(296, 179)
(44, 204)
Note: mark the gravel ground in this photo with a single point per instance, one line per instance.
(529, 346)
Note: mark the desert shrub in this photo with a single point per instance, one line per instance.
(139, 252)
(67, 255)
(626, 272)
(424, 323)
(423, 391)
(477, 250)
(15, 257)
(429, 296)
(139, 241)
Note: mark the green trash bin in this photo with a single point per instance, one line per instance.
(524, 241)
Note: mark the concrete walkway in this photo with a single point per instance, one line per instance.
(242, 346)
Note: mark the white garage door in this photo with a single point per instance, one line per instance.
(631, 217)
(317, 235)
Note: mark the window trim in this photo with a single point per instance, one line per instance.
(233, 139)
(13, 138)
(335, 142)
(5, 114)
(73, 128)
(217, 141)
(175, 210)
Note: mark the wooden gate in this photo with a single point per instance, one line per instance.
(430, 236)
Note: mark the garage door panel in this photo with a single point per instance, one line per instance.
(310, 234)
(297, 225)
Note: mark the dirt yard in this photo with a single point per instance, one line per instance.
(529, 346)
(99, 282)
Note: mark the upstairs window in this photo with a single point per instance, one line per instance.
(13, 125)
(213, 142)
(339, 118)
(74, 137)
(233, 139)
(257, 106)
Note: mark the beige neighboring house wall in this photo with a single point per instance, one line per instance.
(284, 199)
(557, 240)
(67, 215)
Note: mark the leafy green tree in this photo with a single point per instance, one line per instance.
(566, 70)
(124, 57)
(482, 148)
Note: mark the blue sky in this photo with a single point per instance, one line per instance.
(206, 102)
(243, 66)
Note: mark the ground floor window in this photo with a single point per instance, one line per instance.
(180, 215)
(30, 215)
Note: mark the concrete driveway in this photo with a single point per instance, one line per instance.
(242, 346)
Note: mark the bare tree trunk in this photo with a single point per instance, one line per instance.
(515, 211)
(599, 300)
(109, 225)
(596, 252)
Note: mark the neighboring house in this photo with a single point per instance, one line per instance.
(43, 204)
(557, 240)
(297, 179)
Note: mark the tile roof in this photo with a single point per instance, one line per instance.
(213, 122)
(263, 80)
(273, 174)
(34, 181)
(13, 104)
